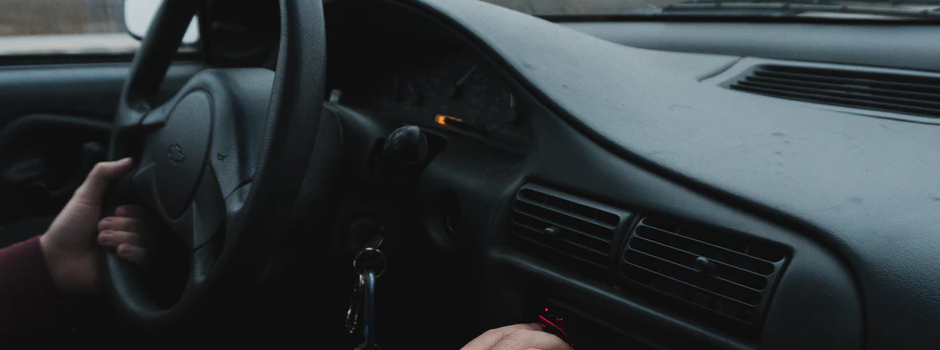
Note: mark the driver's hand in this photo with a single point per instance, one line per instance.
(517, 337)
(123, 233)
(69, 244)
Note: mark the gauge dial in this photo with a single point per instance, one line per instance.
(457, 84)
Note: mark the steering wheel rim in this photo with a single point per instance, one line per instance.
(228, 194)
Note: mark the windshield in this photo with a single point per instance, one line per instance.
(877, 10)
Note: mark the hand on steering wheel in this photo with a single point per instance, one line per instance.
(125, 233)
(68, 245)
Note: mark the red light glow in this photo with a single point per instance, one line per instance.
(554, 325)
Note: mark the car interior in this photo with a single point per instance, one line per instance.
(410, 173)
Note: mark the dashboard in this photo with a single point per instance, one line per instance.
(631, 198)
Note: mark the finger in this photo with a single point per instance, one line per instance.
(113, 239)
(113, 223)
(92, 190)
(488, 339)
(134, 254)
(133, 211)
(529, 339)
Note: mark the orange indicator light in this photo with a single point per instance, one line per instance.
(446, 119)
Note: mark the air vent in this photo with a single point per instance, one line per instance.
(565, 229)
(900, 93)
(727, 274)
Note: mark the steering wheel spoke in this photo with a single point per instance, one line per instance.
(143, 183)
(144, 189)
(155, 118)
(205, 217)
(211, 215)
(207, 226)
(208, 212)
(143, 119)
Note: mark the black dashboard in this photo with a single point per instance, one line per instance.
(629, 198)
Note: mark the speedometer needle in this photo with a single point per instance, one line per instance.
(454, 90)
(413, 97)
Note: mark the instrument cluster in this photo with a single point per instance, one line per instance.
(454, 90)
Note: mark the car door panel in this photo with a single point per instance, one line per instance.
(89, 90)
(54, 125)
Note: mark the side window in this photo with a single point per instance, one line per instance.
(78, 27)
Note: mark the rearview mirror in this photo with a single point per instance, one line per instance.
(139, 13)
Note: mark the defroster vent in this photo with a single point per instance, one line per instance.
(565, 229)
(914, 94)
(727, 274)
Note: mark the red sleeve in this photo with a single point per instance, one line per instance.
(29, 301)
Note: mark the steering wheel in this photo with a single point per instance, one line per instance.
(223, 161)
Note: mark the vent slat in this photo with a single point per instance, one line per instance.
(890, 92)
(565, 229)
(571, 216)
(711, 251)
(601, 249)
(725, 271)
(834, 100)
(568, 221)
(604, 218)
(567, 232)
(736, 272)
(907, 81)
(683, 291)
(689, 285)
(874, 101)
(688, 271)
(833, 79)
(601, 265)
(865, 90)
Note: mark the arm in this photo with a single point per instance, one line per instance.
(29, 300)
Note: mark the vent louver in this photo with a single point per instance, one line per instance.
(565, 229)
(892, 92)
(726, 274)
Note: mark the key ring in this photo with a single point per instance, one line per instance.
(379, 257)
